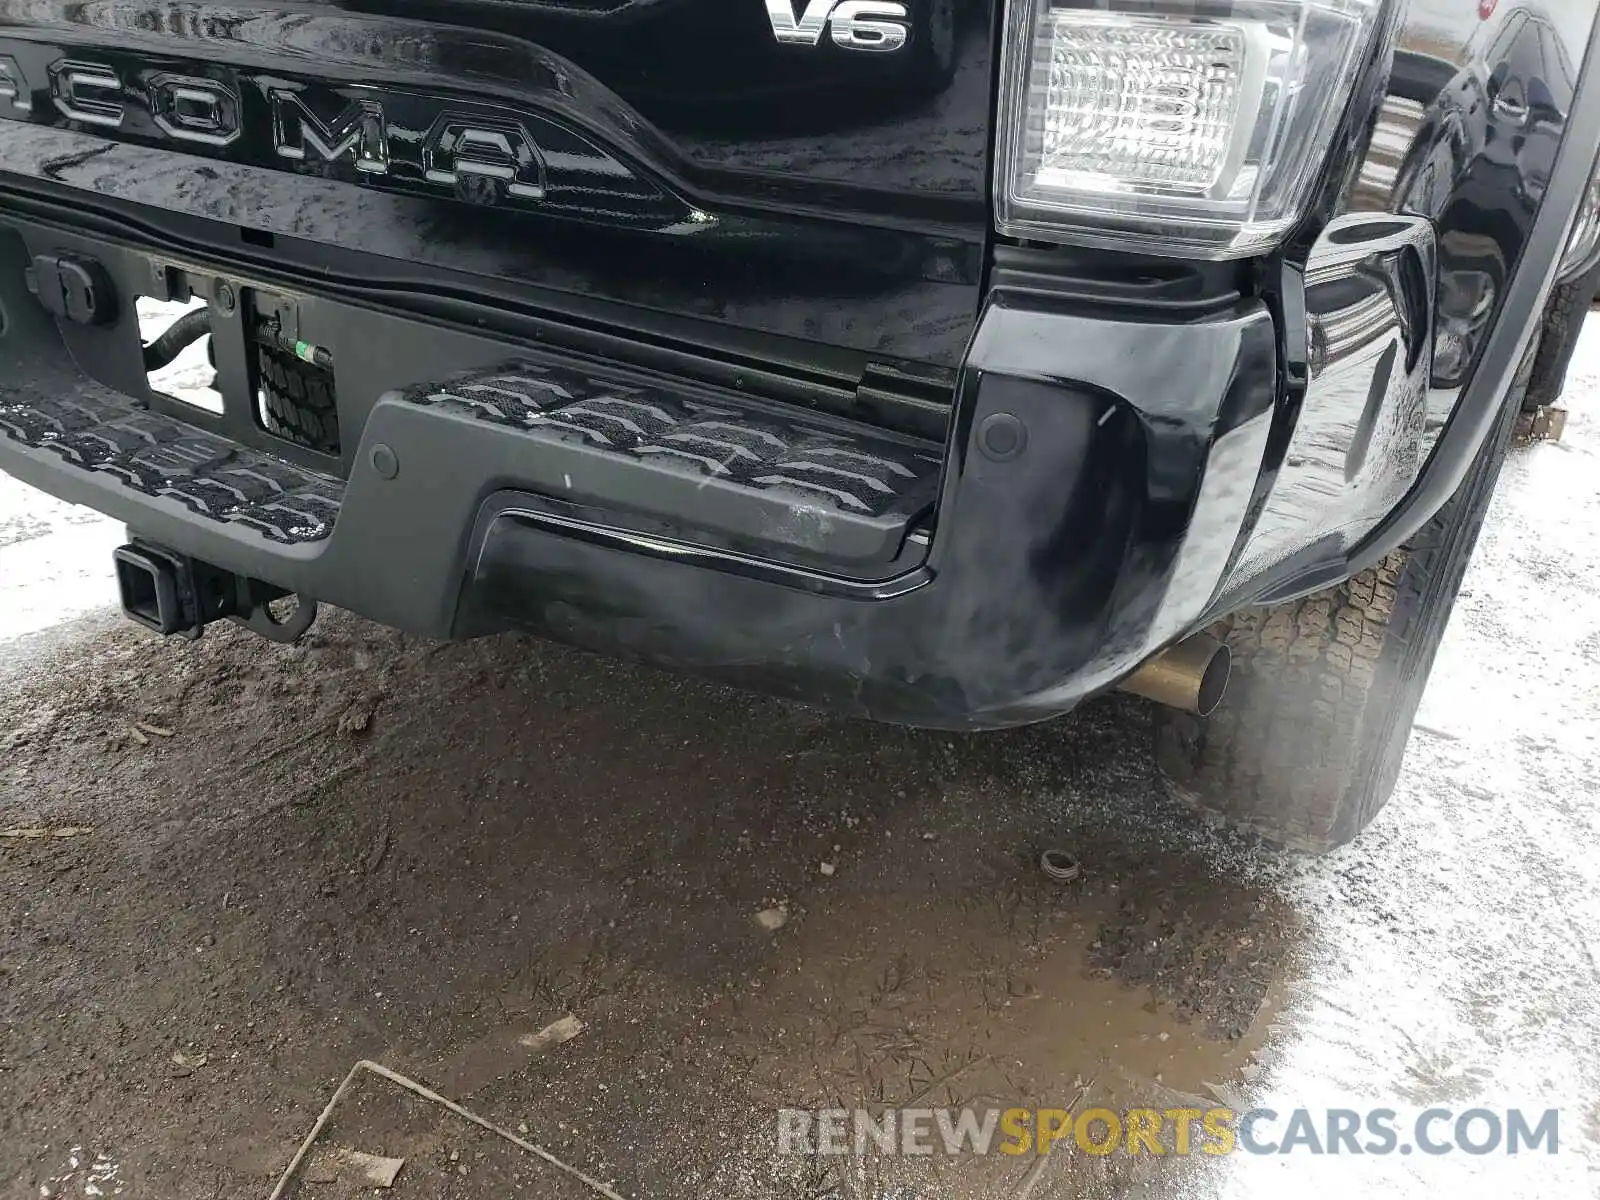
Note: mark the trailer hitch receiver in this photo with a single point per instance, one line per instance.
(175, 594)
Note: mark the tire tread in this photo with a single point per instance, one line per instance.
(298, 401)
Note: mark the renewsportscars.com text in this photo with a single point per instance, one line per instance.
(1164, 1131)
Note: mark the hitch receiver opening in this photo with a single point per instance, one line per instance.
(148, 584)
(174, 594)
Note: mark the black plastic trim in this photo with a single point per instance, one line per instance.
(905, 575)
(1075, 276)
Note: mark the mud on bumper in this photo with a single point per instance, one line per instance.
(1082, 510)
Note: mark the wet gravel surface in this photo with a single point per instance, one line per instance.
(284, 860)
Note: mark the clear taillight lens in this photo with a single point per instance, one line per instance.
(1193, 134)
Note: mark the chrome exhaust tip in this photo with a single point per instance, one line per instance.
(1191, 676)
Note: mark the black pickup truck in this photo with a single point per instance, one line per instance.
(940, 361)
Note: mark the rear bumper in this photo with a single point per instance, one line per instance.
(1094, 490)
(1049, 574)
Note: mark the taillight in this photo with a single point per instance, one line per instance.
(1191, 129)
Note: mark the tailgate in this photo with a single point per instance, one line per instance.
(789, 178)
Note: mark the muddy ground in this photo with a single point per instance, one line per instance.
(281, 861)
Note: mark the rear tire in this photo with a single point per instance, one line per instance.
(1563, 321)
(1307, 743)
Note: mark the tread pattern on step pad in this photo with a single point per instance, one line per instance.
(853, 471)
(162, 457)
